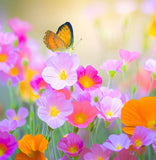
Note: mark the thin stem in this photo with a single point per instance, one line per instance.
(47, 153)
(53, 144)
(109, 82)
(11, 95)
(151, 81)
(97, 127)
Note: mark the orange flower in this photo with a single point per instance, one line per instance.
(140, 112)
(32, 147)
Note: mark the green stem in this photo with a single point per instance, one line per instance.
(150, 86)
(31, 118)
(119, 125)
(148, 152)
(48, 154)
(96, 130)
(53, 144)
(11, 95)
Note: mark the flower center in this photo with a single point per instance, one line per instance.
(138, 143)
(73, 149)
(96, 99)
(63, 75)
(14, 71)
(54, 112)
(3, 57)
(80, 118)
(99, 158)
(152, 125)
(86, 82)
(109, 113)
(118, 147)
(3, 149)
(15, 118)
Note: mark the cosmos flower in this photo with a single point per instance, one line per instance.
(110, 108)
(61, 70)
(97, 152)
(133, 114)
(8, 145)
(117, 142)
(142, 137)
(64, 158)
(148, 6)
(8, 58)
(83, 114)
(88, 78)
(128, 56)
(150, 65)
(7, 125)
(154, 145)
(32, 147)
(20, 117)
(71, 144)
(53, 108)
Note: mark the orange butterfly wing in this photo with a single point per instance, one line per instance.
(53, 42)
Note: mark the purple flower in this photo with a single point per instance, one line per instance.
(54, 108)
(97, 152)
(8, 145)
(112, 65)
(64, 158)
(117, 142)
(150, 65)
(154, 145)
(61, 70)
(71, 144)
(7, 125)
(142, 136)
(149, 6)
(128, 56)
(20, 117)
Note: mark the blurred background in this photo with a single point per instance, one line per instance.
(105, 26)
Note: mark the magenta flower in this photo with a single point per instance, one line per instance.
(110, 108)
(71, 144)
(83, 114)
(112, 65)
(7, 125)
(54, 108)
(61, 70)
(1, 26)
(7, 38)
(88, 78)
(8, 145)
(8, 58)
(117, 142)
(150, 65)
(20, 117)
(154, 145)
(142, 136)
(98, 152)
(64, 158)
(125, 154)
(127, 56)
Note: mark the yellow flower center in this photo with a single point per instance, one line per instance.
(80, 118)
(14, 71)
(3, 57)
(100, 158)
(3, 149)
(63, 75)
(15, 118)
(138, 143)
(54, 111)
(152, 125)
(118, 147)
(73, 149)
(86, 82)
(109, 113)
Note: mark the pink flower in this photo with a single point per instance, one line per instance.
(117, 142)
(112, 65)
(64, 158)
(7, 125)
(125, 154)
(88, 78)
(150, 65)
(154, 145)
(61, 70)
(149, 6)
(20, 117)
(8, 58)
(127, 56)
(83, 114)
(53, 108)
(8, 145)
(110, 108)
(97, 152)
(142, 136)
(71, 144)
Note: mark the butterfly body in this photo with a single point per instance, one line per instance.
(61, 40)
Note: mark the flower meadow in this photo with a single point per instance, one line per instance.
(60, 109)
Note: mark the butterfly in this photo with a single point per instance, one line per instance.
(61, 40)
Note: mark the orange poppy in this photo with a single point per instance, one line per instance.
(32, 148)
(140, 112)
